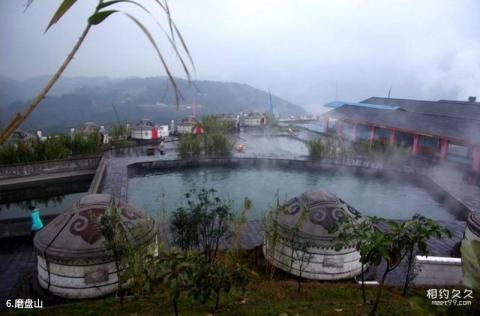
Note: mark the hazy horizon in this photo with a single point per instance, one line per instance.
(307, 52)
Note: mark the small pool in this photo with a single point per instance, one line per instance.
(393, 199)
(51, 199)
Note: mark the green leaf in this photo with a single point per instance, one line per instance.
(98, 17)
(62, 9)
(109, 3)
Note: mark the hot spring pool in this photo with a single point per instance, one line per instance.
(393, 199)
(51, 199)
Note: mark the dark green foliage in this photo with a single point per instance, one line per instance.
(135, 263)
(328, 148)
(213, 141)
(206, 221)
(174, 269)
(203, 223)
(391, 246)
(116, 241)
(315, 148)
(58, 147)
(414, 234)
(217, 143)
(189, 146)
(83, 144)
(212, 124)
(211, 279)
(302, 255)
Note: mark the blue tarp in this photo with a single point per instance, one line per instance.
(337, 104)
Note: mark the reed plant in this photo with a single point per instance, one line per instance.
(217, 143)
(328, 148)
(119, 131)
(52, 148)
(189, 146)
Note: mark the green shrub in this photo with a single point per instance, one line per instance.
(331, 148)
(189, 145)
(315, 148)
(378, 150)
(211, 124)
(119, 131)
(217, 143)
(57, 147)
(205, 221)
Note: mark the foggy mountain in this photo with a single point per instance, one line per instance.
(79, 99)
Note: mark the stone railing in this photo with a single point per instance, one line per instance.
(48, 167)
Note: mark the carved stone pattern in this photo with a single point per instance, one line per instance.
(128, 212)
(86, 225)
(293, 206)
(327, 217)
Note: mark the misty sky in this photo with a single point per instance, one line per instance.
(301, 49)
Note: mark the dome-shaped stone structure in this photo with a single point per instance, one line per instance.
(73, 261)
(472, 231)
(310, 219)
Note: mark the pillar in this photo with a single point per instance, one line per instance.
(416, 142)
(354, 133)
(443, 149)
(325, 123)
(476, 158)
(371, 134)
(393, 137)
(339, 128)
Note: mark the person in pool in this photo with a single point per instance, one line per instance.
(36, 220)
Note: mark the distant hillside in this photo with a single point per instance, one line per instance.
(81, 99)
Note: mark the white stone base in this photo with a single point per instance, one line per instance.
(77, 282)
(444, 271)
(326, 264)
(469, 235)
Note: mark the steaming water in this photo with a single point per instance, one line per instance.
(371, 196)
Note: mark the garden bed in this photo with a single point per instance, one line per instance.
(263, 297)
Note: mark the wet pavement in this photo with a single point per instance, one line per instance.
(16, 258)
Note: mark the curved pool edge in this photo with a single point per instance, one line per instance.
(357, 167)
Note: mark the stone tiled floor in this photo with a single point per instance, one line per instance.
(16, 258)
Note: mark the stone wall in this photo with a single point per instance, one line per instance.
(438, 271)
(48, 167)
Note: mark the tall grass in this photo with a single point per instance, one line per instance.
(189, 146)
(378, 150)
(329, 148)
(58, 147)
(212, 124)
(119, 131)
(214, 140)
(217, 143)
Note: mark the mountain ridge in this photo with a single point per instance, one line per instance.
(79, 99)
